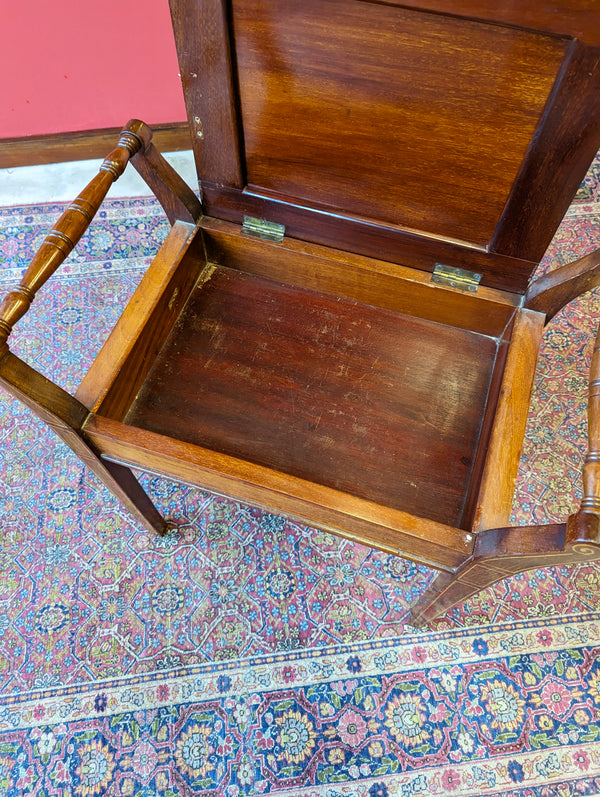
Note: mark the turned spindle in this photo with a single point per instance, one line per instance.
(591, 468)
(67, 231)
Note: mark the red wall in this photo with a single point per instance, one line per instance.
(84, 64)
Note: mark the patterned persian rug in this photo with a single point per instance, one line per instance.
(246, 654)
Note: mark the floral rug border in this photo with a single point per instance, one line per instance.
(277, 671)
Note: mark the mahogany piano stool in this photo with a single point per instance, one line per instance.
(345, 329)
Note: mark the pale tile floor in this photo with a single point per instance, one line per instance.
(61, 182)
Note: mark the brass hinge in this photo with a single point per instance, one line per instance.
(261, 228)
(456, 277)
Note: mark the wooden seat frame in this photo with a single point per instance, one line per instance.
(88, 422)
(344, 330)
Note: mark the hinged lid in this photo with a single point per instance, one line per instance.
(456, 277)
(261, 228)
(452, 131)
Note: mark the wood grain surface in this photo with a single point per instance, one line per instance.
(363, 400)
(453, 132)
(129, 351)
(435, 544)
(510, 419)
(362, 279)
(406, 117)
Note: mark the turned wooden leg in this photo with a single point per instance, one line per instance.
(65, 415)
(500, 553)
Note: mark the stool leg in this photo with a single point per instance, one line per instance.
(500, 553)
(66, 416)
(124, 486)
(448, 589)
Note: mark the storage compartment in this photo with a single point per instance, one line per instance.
(327, 376)
(370, 401)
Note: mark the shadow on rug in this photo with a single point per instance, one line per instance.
(246, 654)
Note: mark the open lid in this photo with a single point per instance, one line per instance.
(450, 131)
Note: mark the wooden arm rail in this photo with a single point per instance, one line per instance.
(591, 469)
(65, 234)
(502, 552)
(176, 198)
(553, 291)
(548, 295)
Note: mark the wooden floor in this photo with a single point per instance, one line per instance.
(377, 404)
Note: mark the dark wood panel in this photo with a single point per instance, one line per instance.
(365, 401)
(201, 29)
(367, 238)
(83, 145)
(487, 425)
(579, 19)
(405, 117)
(362, 279)
(557, 161)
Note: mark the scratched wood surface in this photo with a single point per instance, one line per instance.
(371, 402)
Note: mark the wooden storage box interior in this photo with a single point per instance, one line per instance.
(328, 376)
(341, 370)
